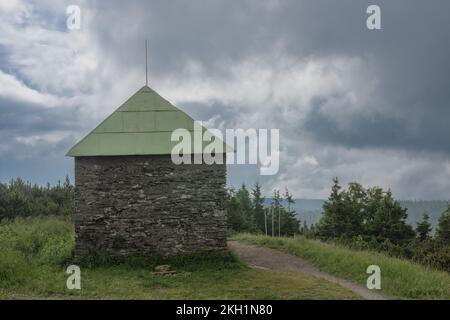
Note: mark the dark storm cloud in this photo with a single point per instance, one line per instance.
(19, 120)
(410, 55)
(382, 131)
(26, 118)
(182, 30)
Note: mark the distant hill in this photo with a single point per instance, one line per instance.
(416, 209)
(309, 210)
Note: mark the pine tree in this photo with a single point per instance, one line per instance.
(290, 224)
(369, 213)
(289, 199)
(423, 228)
(243, 196)
(234, 219)
(389, 220)
(275, 211)
(355, 201)
(258, 207)
(333, 210)
(443, 229)
(246, 210)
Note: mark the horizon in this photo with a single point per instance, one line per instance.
(266, 197)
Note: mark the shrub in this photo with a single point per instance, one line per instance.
(57, 252)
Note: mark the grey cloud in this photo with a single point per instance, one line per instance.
(409, 107)
(20, 120)
(26, 118)
(409, 55)
(428, 133)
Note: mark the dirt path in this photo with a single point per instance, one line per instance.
(262, 258)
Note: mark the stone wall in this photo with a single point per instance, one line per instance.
(141, 205)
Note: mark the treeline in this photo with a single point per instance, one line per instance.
(372, 219)
(362, 218)
(247, 212)
(21, 199)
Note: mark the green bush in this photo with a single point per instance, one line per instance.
(57, 252)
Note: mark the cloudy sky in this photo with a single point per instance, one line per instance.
(367, 106)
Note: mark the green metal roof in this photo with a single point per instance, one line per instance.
(141, 126)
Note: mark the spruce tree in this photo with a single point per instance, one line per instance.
(289, 199)
(290, 224)
(258, 207)
(389, 221)
(329, 225)
(443, 229)
(275, 207)
(423, 228)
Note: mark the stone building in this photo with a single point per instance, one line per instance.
(131, 199)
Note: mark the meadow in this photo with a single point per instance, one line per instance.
(35, 253)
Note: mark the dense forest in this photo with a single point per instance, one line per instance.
(21, 199)
(365, 219)
(247, 212)
(372, 219)
(310, 210)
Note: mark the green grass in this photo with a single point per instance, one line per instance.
(34, 255)
(399, 278)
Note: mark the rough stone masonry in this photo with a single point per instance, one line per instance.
(144, 205)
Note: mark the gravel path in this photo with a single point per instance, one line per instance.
(267, 259)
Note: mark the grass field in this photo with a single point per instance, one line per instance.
(34, 255)
(399, 278)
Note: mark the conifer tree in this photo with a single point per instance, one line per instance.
(423, 228)
(258, 207)
(443, 228)
(329, 225)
